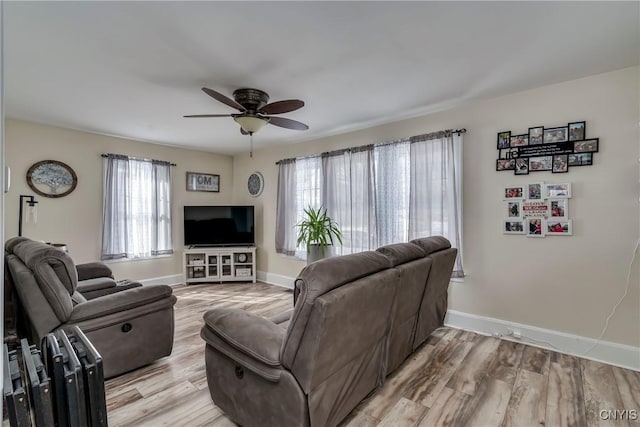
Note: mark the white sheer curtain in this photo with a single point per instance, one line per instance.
(348, 194)
(378, 194)
(435, 202)
(136, 208)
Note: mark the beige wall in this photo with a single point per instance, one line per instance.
(77, 218)
(566, 284)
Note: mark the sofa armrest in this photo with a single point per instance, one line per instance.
(101, 286)
(93, 270)
(118, 302)
(249, 339)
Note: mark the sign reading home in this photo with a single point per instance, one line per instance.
(546, 149)
(203, 182)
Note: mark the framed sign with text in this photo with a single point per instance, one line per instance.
(203, 182)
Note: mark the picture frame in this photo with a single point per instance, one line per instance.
(558, 209)
(560, 164)
(514, 192)
(514, 209)
(586, 146)
(540, 163)
(505, 164)
(519, 140)
(522, 166)
(559, 134)
(504, 139)
(559, 227)
(577, 131)
(52, 178)
(580, 159)
(510, 226)
(535, 191)
(534, 227)
(197, 181)
(558, 191)
(535, 135)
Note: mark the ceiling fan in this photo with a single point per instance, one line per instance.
(255, 112)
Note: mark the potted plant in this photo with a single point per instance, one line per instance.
(317, 231)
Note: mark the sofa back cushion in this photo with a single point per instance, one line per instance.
(435, 299)
(413, 268)
(54, 272)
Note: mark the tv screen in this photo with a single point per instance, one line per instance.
(218, 226)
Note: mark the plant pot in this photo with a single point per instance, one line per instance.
(317, 252)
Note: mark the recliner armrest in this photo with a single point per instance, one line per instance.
(93, 270)
(248, 334)
(118, 302)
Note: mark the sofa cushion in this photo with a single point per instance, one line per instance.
(432, 244)
(400, 253)
(12, 242)
(37, 256)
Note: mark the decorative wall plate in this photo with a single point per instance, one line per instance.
(51, 178)
(255, 184)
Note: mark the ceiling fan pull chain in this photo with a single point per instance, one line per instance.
(251, 149)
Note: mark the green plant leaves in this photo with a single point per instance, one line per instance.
(318, 228)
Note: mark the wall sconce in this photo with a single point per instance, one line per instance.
(32, 211)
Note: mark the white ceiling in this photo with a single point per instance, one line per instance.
(133, 69)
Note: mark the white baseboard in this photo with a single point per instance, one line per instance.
(173, 280)
(612, 353)
(276, 279)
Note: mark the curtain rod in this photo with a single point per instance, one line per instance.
(122, 156)
(416, 138)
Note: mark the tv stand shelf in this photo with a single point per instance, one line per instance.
(220, 264)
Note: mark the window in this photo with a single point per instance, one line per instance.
(136, 208)
(378, 195)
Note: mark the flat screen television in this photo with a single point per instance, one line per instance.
(219, 226)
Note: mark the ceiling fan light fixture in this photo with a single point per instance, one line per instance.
(251, 124)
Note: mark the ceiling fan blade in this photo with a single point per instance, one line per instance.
(207, 115)
(287, 123)
(222, 98)
(280, 107)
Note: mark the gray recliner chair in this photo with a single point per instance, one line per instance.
(130, 325)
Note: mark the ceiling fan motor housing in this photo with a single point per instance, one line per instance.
(251, 99)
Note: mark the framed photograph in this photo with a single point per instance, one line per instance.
(560, 164)
(588, 146)
(505, 164)
(581, 159)
(534, 227)
(515, 192)
(554, 227)
(514, 209)
(522, 166)
(513, 227)
(203, 182)
(535, 191)
(542, 163)
(535, 135)
(558, 191)
(555, 135)
(576, 131)
(503, 139)
(519, 140)
(558, 208)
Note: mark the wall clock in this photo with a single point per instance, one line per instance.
(51, 178)
(255, 184)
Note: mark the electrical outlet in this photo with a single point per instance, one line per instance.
(516, 334)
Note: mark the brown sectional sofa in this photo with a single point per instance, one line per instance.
(356, 319)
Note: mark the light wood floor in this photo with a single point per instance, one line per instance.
(457, 378)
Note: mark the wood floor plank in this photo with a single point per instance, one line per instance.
(536, 360)
(601, 393)
(446, 410)
(405, 413)
(505, 365)
(359, 419)
(488, 406)
(473, 368)
(628, 383)
(565, 398)
(528, 401)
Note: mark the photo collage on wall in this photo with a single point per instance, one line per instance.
(537, 210)
(546, 149)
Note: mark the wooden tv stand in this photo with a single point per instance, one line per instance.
(219, 264)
